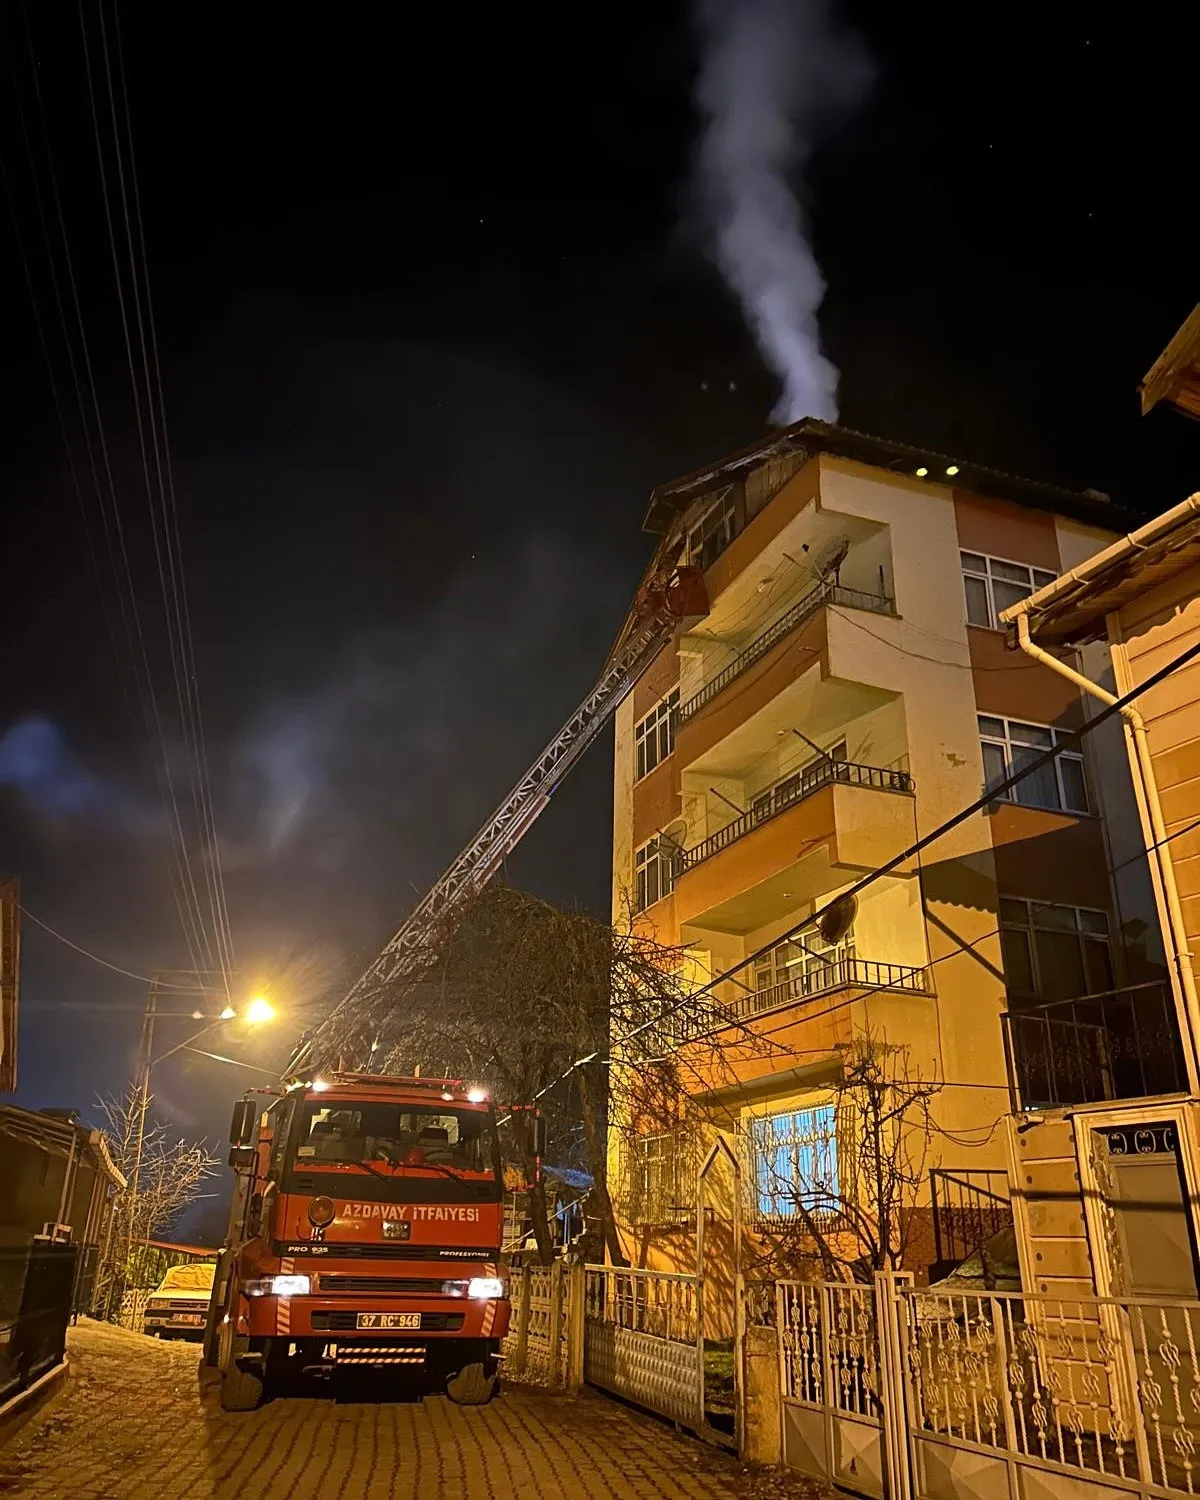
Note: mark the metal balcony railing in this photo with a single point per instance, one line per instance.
(818, 979)
(803, 609)
(970, 1206)
(796, 789)
(1121, 1044)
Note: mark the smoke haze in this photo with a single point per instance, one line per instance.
(773, 73)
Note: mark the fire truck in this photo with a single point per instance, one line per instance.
(348, 1180)
(365, 1237)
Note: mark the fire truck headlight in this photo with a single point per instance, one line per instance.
(321, 1212)
(485, 1286)
(279, 1286)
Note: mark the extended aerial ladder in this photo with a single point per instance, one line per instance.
(670, 596)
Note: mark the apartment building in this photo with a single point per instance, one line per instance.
(849, 692)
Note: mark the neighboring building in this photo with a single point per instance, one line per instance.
(1128, 1121)
(56, 1177)
(1175, 375)
(848, 692)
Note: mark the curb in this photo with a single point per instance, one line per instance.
(18, 1409)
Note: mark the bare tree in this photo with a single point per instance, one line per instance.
(171, 1172)
(850, 1206)
(556, 1009)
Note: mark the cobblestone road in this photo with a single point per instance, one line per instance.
(133, 1424)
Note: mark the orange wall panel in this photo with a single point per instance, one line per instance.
(659, 678)
(1014, 686)
(753, 690)
(655, 801)
(1000, 529)
(800, 490)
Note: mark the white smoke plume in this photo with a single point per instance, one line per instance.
(773, 74)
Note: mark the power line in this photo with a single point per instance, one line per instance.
(991, 795)
(106, 493)
(95, 957)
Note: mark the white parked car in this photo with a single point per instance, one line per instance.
(178, 1306)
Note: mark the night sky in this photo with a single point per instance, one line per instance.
(434, 316)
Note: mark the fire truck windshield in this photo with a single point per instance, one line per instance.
(397, 1139)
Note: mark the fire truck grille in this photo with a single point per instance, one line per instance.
(424, 1285)
(347, 1322)
(333, 1250)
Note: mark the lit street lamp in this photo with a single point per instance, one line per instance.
(258, 1011)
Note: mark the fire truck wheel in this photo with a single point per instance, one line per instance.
(240, 1389)
(471, 1386)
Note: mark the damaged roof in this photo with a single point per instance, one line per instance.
(811, 437)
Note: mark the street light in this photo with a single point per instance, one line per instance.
(258, 1011)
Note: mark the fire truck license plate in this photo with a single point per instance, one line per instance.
(389, 1320)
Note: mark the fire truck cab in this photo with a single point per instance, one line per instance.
(365, 1236)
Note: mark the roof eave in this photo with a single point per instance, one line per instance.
(1074, 608)
(1087, 506)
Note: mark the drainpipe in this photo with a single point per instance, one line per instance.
(1162, 872)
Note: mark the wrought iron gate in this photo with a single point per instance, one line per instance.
(926, 1394)
(644, 1339)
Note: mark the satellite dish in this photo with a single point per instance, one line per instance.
(838, 920)
(828, 562)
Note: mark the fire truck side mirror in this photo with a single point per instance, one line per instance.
(241, 1158)
(244, 1125)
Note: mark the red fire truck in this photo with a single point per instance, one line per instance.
(365, 1236)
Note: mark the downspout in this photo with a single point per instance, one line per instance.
(1162, 871)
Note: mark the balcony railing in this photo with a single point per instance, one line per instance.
(1122, 1044)
(815, 599)
(970, 1206)
(819, 979)
(796, 789)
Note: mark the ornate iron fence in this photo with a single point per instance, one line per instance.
(1122, 1044)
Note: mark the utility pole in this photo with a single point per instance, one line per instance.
(145, 1054)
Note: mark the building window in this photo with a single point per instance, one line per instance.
(654, 872)
(654, 736)
(794, 1159)
(657, 1185)
(992, 585)
(708, 536)
(1008, 746)
(1054, 952)
(790, 971)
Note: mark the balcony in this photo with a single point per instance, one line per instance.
(846, 772)
(1122, 1044)
(795, 844)
(846, 973)
(802, 610)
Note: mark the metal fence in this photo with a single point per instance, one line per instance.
(830, 1382)
(36, 1283)
(815, 599)
(1122, 1044)
(970, 1205)
(643, 1339)
(924, 1394)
